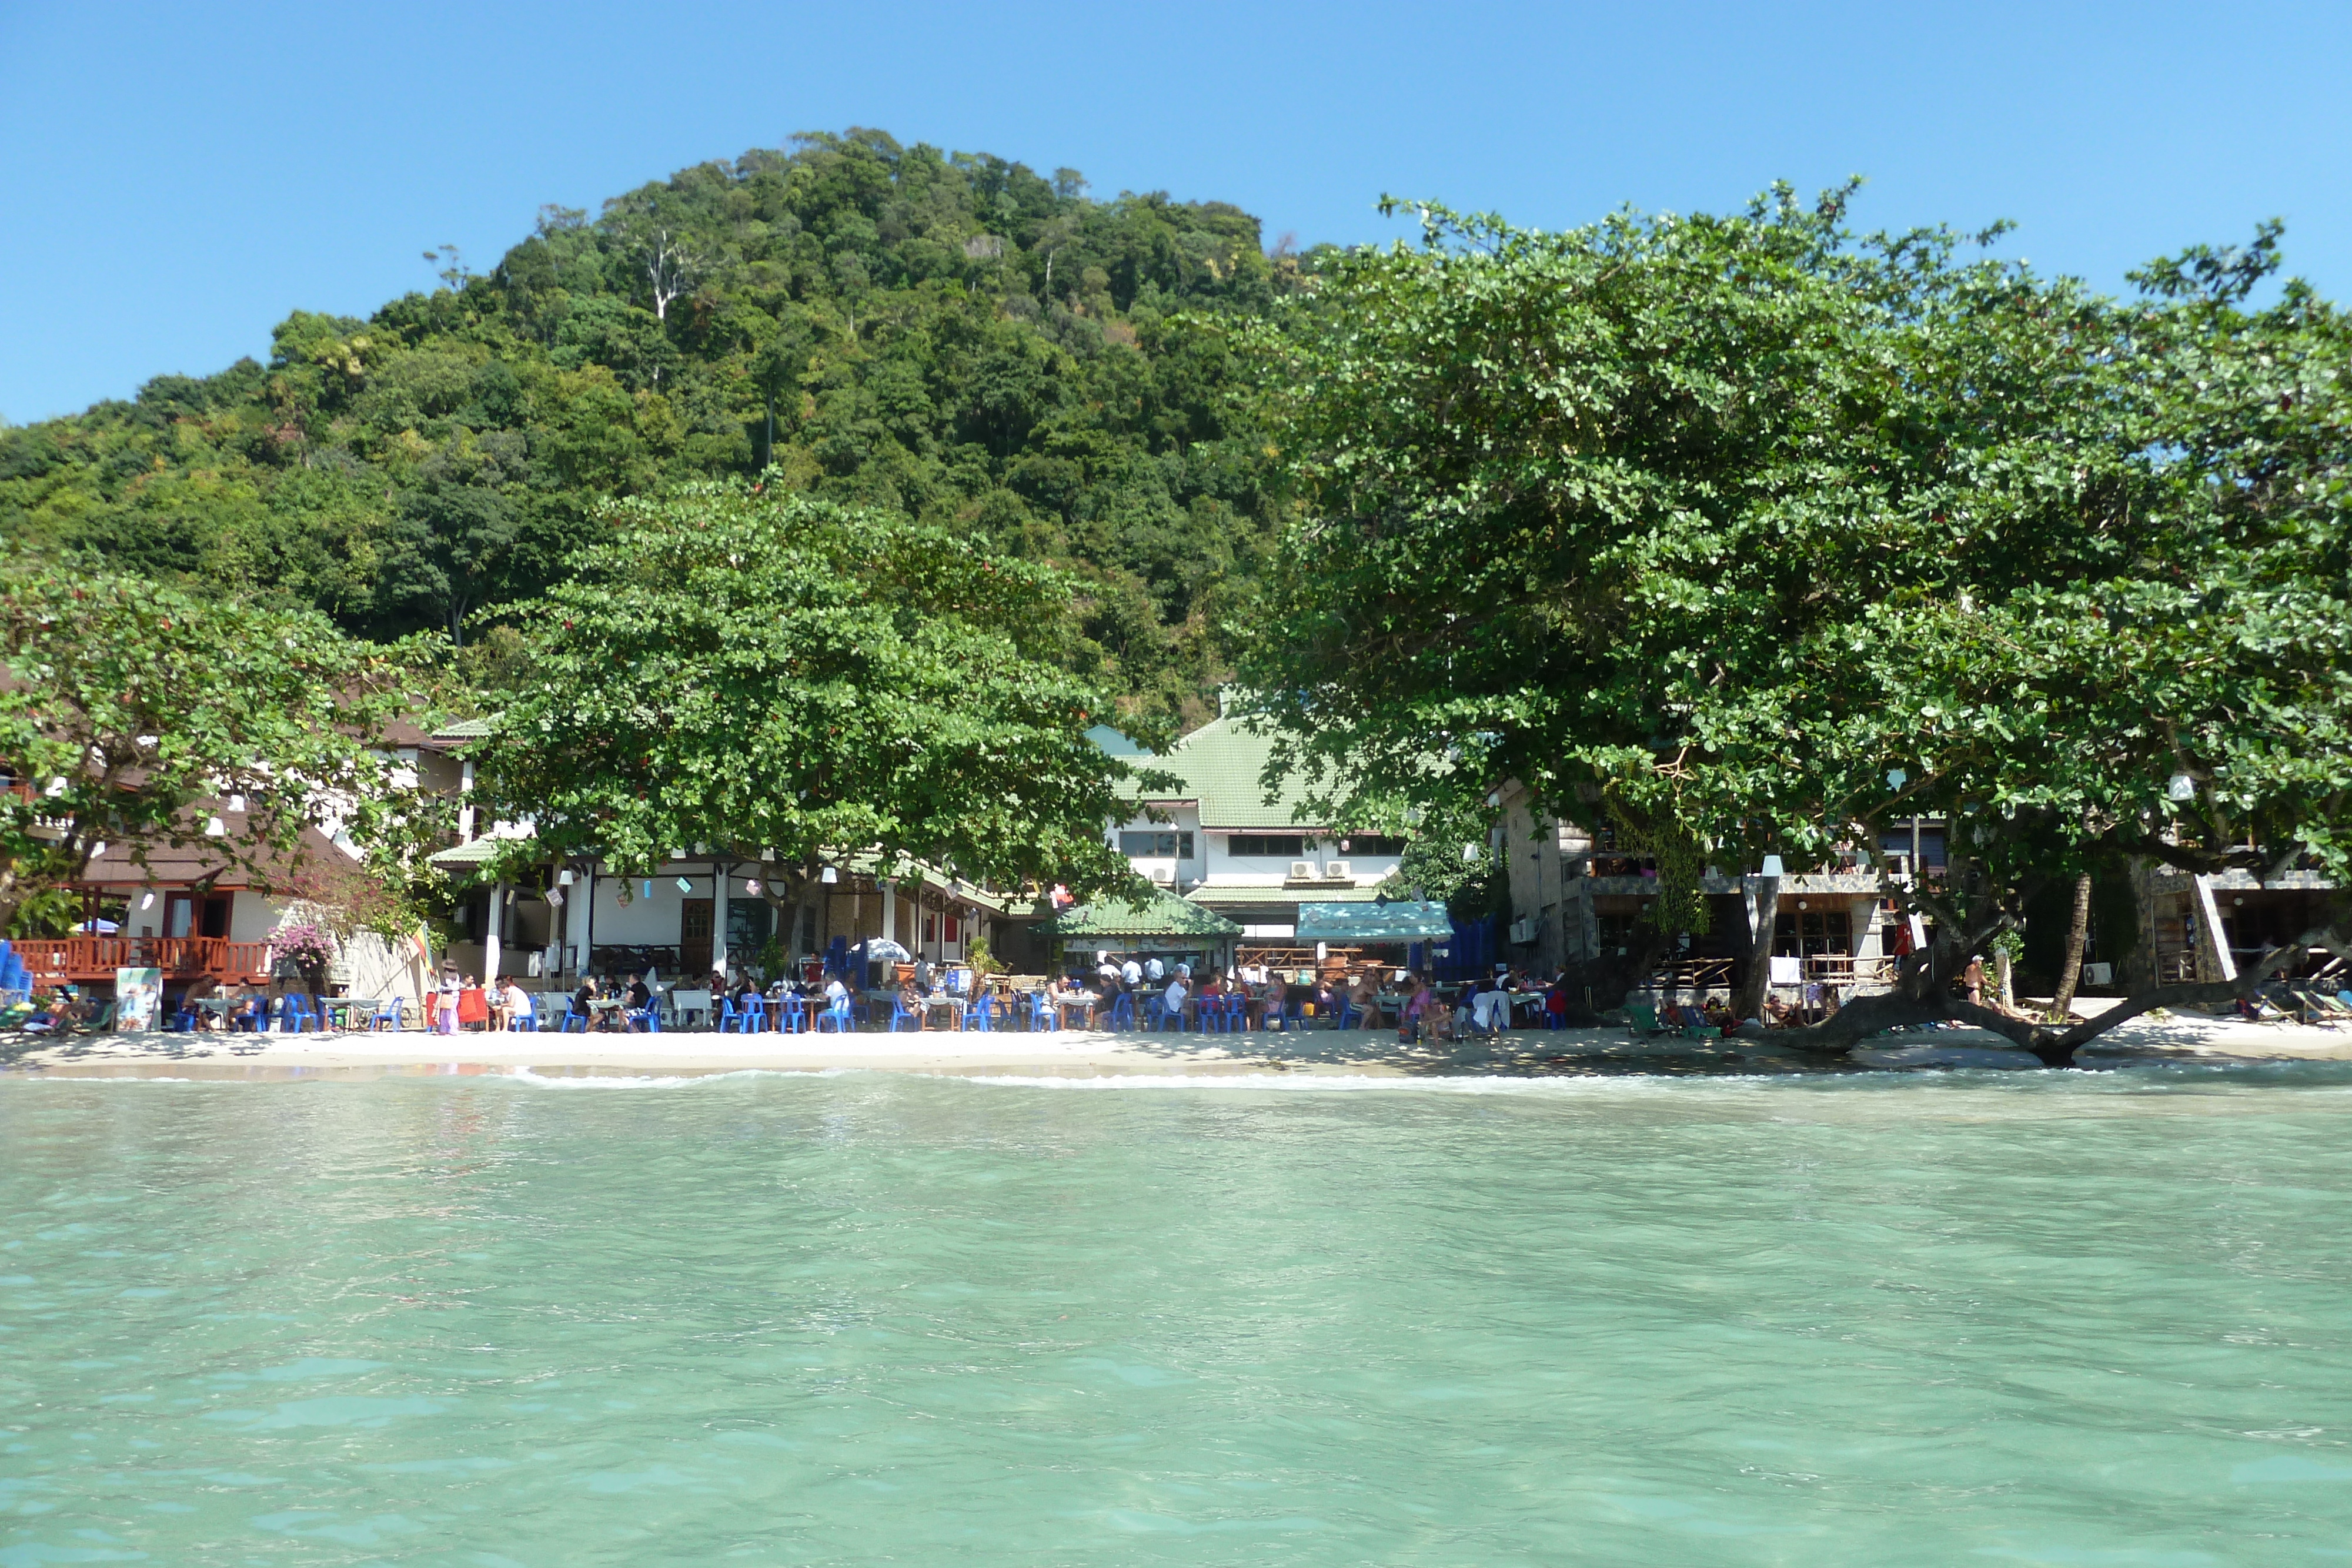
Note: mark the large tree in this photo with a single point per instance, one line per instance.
(770, 675)
(1749, 535)
(136, 716)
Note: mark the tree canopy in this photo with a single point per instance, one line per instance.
(1750, 534)
(137, 716)
(952, 337)
(777, 676)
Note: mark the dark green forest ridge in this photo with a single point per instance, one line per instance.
(951, 336)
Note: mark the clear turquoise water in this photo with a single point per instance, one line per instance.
(2040, 1319)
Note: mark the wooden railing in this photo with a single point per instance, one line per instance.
(54, 958)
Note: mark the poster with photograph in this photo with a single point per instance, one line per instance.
(138, 997)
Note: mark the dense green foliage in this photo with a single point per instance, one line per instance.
(782, 678)
(1749, 535)
(138, 715)
(953, 337)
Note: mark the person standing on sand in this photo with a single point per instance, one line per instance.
(1973, 978)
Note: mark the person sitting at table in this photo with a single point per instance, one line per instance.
(1207, 999)
(911, 998)
(516, 1002)
(586, 994)
(1175, 997)
(1416, 1004)
(245, 1013)
(1365, 997)
(635, 1002)
(1069, 994)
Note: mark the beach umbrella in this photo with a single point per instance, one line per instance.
(882, 949)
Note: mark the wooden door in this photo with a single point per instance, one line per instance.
(694, 939)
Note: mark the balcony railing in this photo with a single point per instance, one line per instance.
(56, 958)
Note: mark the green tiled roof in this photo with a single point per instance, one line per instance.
(1220, 763)
(463, 730)
(1160, 916)
(1363, 894)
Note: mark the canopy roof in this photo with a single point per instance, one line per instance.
(1401, 920)
(1159, 915)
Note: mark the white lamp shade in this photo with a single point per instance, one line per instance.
(1772, 866)
(564, 877)
(830, 875)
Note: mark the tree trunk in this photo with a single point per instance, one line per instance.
(1757, 982)
(2078, 931)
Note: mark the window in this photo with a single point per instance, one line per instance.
(1176, 846)
(1372, 844)
(1898, 841)
(1277, 846)
(1810, 934)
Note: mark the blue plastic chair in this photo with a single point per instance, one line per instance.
(982, 1015)
(837, 1014)
(901, 1013)
(574, 1021)
(302, 1015)
(753, 1018)
(1348, 1015)
(1122, 1010)
(723, 1019)
(1236, 1013)
(524, 1022)
(1043, 1013)
(791, 1015)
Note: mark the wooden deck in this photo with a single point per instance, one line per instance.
(52, 959)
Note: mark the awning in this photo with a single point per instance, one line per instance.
(1401, 920)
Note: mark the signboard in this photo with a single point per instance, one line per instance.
(138, 997)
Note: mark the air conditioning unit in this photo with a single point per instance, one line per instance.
(1338, 871)
(1302, 870)
(2098, 974)
(1523, 930)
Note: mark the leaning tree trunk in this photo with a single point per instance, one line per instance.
(2078, 931)
(1757, 981)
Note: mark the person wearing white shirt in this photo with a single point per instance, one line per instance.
(1174, 996)
(1133, 972)
(1154, 970)
(517, 1000)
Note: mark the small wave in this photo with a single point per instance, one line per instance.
(1357, 1083)
(656, 1081)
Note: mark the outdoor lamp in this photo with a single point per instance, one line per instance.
(678, 854)
(768, 857)
(2181, 788)
(1772, 866)
(215, 827)
(555, 897)
(147, 900)
(751, 885)
(564, 877)
(830, 876)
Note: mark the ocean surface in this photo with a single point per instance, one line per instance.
(2020, 1318)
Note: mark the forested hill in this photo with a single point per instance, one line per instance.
(950, 335)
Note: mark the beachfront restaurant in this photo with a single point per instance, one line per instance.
(1336, 939)
(705, 909)
(1160, 926)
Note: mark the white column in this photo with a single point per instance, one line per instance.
(718, 874)
(587, 918)
(492, 945)
(889, 911)
(466, 803)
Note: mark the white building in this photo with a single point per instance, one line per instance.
(1220, 843)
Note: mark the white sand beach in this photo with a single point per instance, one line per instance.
(2178, 1037)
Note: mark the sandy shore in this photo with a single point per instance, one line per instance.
(1079, 1054)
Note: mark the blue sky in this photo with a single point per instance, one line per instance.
(177, 178)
